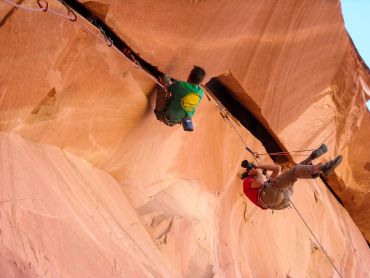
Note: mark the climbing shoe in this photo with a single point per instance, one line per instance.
(315, 154)
(187, 124)
(328, 168)
(319, 152)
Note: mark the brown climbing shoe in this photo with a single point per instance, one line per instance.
(328, 168)
(315, 154)
(319, 152)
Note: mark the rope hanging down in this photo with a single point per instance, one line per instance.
(318, 242)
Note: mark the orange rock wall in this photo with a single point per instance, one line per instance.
(62, 217)
(174, 208)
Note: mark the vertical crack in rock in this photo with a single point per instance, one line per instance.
(112, 38)
(99, 9)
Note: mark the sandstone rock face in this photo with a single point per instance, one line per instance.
(93, 186)
(62, 217)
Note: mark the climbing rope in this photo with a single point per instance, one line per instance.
(40, 9)
(254, 154)
(225, 114)
(70, 16)
(44, 7)
(300, 151)
(292, 153)
(318, 242)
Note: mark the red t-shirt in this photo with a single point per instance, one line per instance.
(251, 193)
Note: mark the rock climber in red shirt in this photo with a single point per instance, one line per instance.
(276, 192)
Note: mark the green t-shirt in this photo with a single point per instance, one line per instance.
(184, 100)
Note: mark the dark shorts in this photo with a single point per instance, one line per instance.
(162, 117)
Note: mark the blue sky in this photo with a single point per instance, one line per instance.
(357, 20)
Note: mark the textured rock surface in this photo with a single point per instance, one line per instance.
(174, 207)
(62, 217)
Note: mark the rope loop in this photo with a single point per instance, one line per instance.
(70, 15)
(109, 41)
(40, 9)
(74, 18)
(135, 61)
(44, 9)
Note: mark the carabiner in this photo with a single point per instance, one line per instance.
(44, 9)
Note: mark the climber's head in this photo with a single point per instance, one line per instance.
(196, 75)
(250, 169)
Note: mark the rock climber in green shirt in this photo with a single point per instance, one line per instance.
(177, 101)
